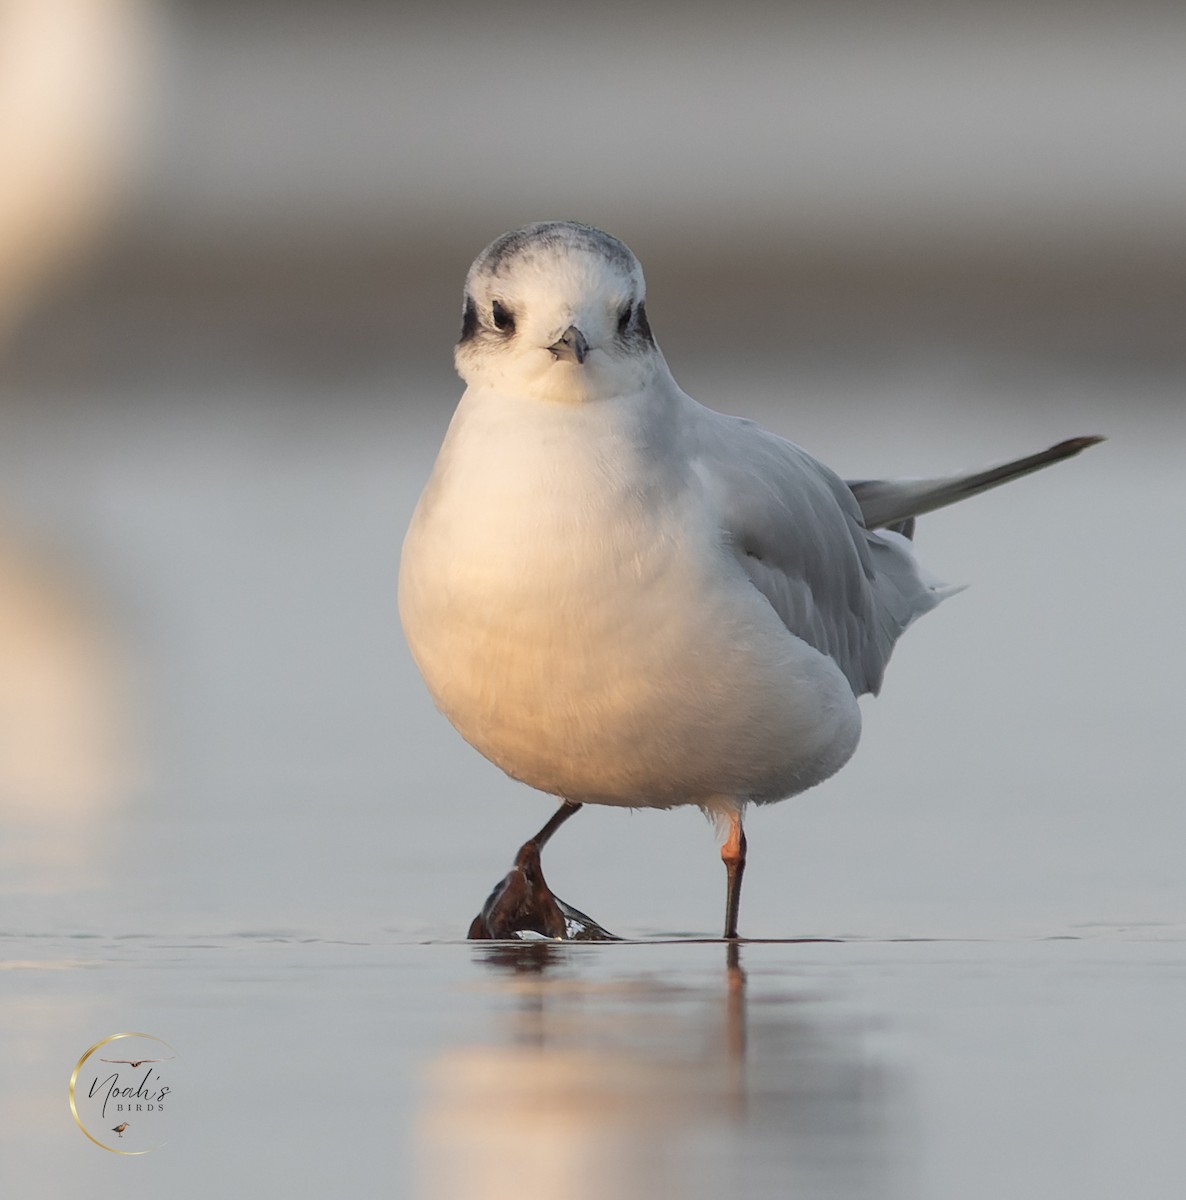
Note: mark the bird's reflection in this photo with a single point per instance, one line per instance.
(594, 1081)
(523, 958)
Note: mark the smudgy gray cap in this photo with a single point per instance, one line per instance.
(548, 237)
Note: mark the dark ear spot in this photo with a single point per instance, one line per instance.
(469, 322)
(504, 320)
(643, 325)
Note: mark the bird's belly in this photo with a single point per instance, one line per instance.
(648, 677)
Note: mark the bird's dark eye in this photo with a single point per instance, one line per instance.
(502, 316)
(624, 318)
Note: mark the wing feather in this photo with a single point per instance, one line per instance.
(798, 533)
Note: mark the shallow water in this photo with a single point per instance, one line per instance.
(843, 1069)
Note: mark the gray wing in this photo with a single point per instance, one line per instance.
(798, 533)
(890, 502)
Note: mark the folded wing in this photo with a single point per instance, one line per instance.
(799, 535)
(890, 502)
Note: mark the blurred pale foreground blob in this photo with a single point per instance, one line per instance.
(64, 718)
(72, 89)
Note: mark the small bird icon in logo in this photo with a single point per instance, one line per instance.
(134, 1063)
(119, 1128)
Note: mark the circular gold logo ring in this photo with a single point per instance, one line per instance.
(74, 1079)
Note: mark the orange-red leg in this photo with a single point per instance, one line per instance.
(733, 856)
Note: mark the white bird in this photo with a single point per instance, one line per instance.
(621, 597)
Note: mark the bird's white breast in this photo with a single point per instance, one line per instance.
(579, 617)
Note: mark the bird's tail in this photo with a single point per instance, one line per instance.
(890, 503)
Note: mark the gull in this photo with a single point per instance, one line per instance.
(621, 597)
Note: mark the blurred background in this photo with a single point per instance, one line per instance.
(911, 237)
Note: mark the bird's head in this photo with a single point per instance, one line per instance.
(556, 311)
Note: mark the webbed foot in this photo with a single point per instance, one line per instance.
(523, 903)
